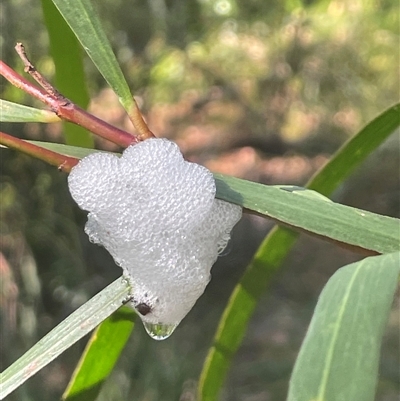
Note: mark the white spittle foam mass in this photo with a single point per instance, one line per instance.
(158, 217)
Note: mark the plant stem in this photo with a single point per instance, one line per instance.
(62, 162)
(35, 74)
(22, 83)
(65, 109)
(136, 118)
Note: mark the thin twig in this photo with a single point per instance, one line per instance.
(63, 107)
(134, 113)
(36, 75)
(62, 162)
(22, 83)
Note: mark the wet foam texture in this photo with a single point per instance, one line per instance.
(158, 217)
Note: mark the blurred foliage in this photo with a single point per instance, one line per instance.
(278, 77)
(314, 70)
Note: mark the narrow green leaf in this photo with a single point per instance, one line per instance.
(63, 336)
(292, 207)
(339, 358)
(67, 150)
(244, 298)
(328, 219)
(70, 77)
(273, 250)
(355, 151)
(304, 192)
(100, 356)
(17, 113)
(310, 213)
(84, 22)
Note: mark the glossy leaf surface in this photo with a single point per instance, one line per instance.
(100, 356)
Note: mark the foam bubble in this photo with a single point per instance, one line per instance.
(158, 217)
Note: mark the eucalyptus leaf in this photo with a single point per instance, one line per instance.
(63, 336)
(314, 214)
(328, 219)
(18, 113)
(273, 250)
(355, 151)
(339, 358)
(67, 150)
(82, 17)
(100, 356)
(69, 72)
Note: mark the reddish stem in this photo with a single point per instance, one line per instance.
(67, 110)
(62, 162)
(22, 83)
(73, 113)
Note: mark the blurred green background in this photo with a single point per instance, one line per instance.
(262, 90)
